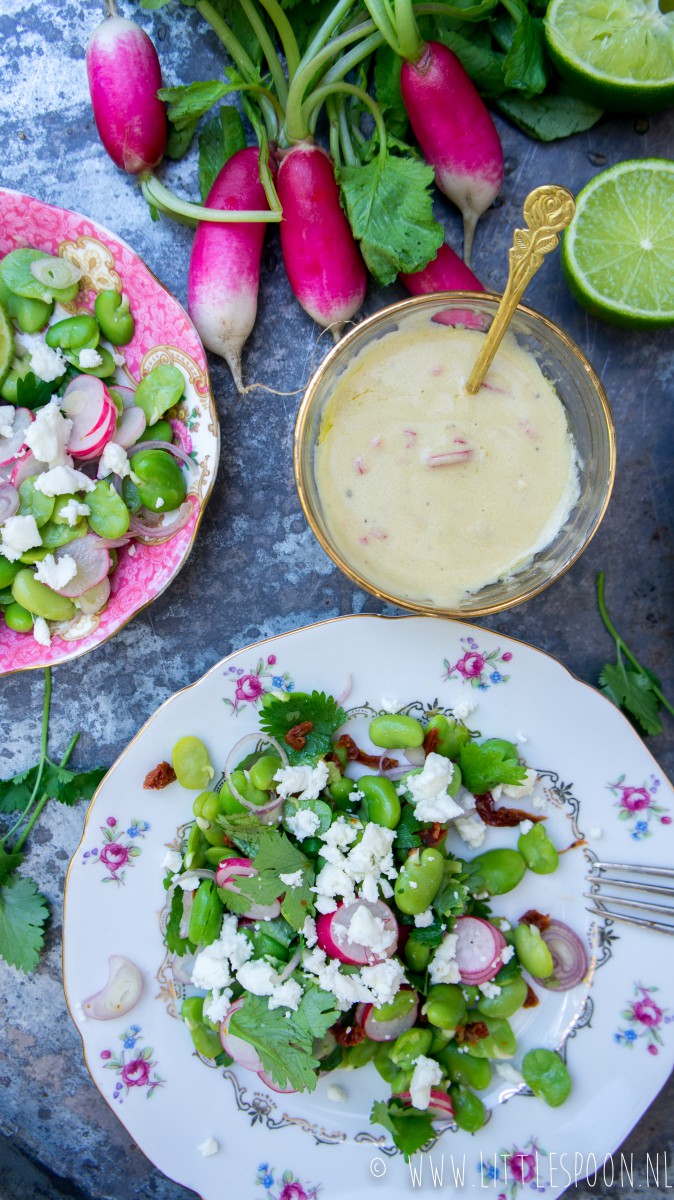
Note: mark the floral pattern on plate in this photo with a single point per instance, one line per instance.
(511, 1170)
(637, 805)
(479, 668)
(646, 1019)
(287, 1187)
(136, 1070)
(119, 848)
(250, 686)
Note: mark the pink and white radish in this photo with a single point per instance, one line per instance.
(26, 467)
(386, 1031)
(322, 260)
(9, 501)
(124, 78)
(87, 402)
(92, 560)
(13, 447)
(268, 1079)
(131, 426)
(224, 270)
(456, 133)
(95, 598)
(440, 1107)
(242, 868)
(333, 932)
(445, 273)
(479, 949)
(242, 1052)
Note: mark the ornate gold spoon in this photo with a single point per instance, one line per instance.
(547, 211)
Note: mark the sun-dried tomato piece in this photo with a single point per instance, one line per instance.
(296, 737)
(348, 1035)
(355, 754)
(435, 835)
(574, 846)
(431, 740)
(159, 777)
(531, 998)
(533, 917)
(471, 1033)
(502, 818)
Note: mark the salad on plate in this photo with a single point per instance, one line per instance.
(324, 912)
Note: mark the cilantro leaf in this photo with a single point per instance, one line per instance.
(23, 914)
(220, 138)
(411, 1128)
(17, 791)
(483, 767)
(9, 861)
(70, 786)
(277, 856)
(244, 830)
(407, 832)
(278, 717)
(285, 1044)
(177, 944)
(32, 392)
(453, 895)
(390, 208)
(633, 691)
(428, 935)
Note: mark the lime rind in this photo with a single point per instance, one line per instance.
(618, 252)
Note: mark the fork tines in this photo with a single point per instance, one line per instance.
(606, 904)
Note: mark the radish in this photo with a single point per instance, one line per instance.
(26, 467)
(456, 133)
(445, 273)
(126, 394)
(95, 598)
(332, 930)
(440, 1107)
(124, 77)
(479, 949)
(241, 1051)
(92, 560)
(131, 425)
(386, 1031)
(12, 447)
(231, 868)
(87, 402)
(322, 261)
(267, 1078)
(224, 271)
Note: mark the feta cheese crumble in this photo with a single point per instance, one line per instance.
(46, 363)
(18, 535)
(41, 632)
(218, 1004)
(595, 833)
(292, 881)
(261, 979)
(56, 573)
(172, 861)
(515, 790)
(59, 481)
(365, 929)
(303, 823)
(72, 510)
(308, 932)
(526, 826)
(371, 985)
(114, 461)
(337, 1093)
(463, 709)
(389, 704)
(213, 965)
(489, 989)
(507, 951)
(424, 919)
(429, 793)
(7, 415)
(364, 865)
(427, 1073)
(304, 781)
(90, 357)
(472, 830)
(444, 968)
(209, 1147)
(48, 435)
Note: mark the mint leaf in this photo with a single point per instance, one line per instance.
(411, 1128)
(633, 691)
(278, 717)
(220, 138)
(482, 768)
(390, 209)
(23, 914)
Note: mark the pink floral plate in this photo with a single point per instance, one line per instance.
(603, 797)
(164, 334)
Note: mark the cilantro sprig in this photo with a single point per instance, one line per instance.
(634, 688)
(277, 856)
(411, 1128)
(23, 910)
(285, 1043)
(278, 716)
(484, 767)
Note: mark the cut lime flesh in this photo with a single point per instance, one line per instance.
(618, 252)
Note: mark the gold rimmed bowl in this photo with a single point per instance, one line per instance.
(589, 420)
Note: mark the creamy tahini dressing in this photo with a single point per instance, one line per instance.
(429, 492)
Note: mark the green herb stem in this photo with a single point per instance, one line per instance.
(44, 736)
(268, 49)
(381, 14)
(237, 54)
(350, 155)
(296, 126)
(348, 61)
(325, 31)
(45, 796)
(407, 30)
(622, 646)
(333, 118)
(321, 94)
(167, 202)
(286, 34)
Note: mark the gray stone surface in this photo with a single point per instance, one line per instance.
(256, 569)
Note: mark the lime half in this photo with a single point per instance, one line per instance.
(6, 344)
(618, 252)
(618, 54)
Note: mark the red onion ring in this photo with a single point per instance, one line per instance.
(149, 533)
(416, 755)
(188, 901)
(569, 957)
(287, 971)
(170, 446)
(258, 809)
(9, 501)
(345, 692)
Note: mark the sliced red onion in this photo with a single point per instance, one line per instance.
(188, 901)
(120, 994)
(440, 1107)
(26, 468)
(385, 1031)
(12, 447)
(55, 272)
(6, 472)
(345, 692)
(416, 755)
(234, 756)
(9, 501)
(131, 426)
(95, 598)
(332, 929)
(268, 1079)
(569, 957)
(393, 773)
(170, 446)
(116, 543)
(287, 971)
(241, 1051)
(150, 532)
(478, 950)
(92, 560)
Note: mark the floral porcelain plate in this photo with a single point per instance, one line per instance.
(616, 1030)
(164, 334)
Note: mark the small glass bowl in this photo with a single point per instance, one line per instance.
(580, 391)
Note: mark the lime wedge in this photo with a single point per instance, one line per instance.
(618, 252)
(6, 344)
(618, 54)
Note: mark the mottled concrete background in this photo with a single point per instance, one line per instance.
(256, 569)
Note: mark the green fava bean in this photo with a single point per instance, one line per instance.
(8, 571)
(114, 317)
(192, 764)
(419, 881)
(395, 731)
(451, 736)
(54, 535)
(206, 807)
(228, 801)
(39, 599)
(33, 503)
(508, 749)
(206, 1041)
(547, 1076)
(500, 1042)
(417, 954)
(161, 432)
(159, 391)
(409, 1046)
(131, 495)
(74, 333)
(445, 1006)
(508, 1001)
(469, 1111)
(538, 851)
(341, 791)
(116, 400)
(34, 556)
(263, 771)
(6, 597)
(360, 1055)
(441, 1038)
(206, 914)
(30, 315)
(10, 385)
(466, 1069)
(400, 1006)
(247, 789)
(160, 482)
(192, 1010)
(108, 514)
(381, 800)
(195, 850)
(384, 1063)
(104, 369)
(497, 871)
(532, 951)
(60, 503)
(18, 618)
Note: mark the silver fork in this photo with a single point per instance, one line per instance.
(598, 881)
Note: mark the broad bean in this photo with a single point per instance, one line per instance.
(508, 749)
(469, 1111)
(8, 571)
(395, 731)
(105, 368)
(30, 315)
(382, 803)
(451, 736)
(409, 1046)
(532, 951)
(360, 1055)
(108, 514)
(389, 1071)
(547, 1076)
(500, 1042)
(262, 772)
(33, 503)
(341, 791)
(159, 480)
(465, 1068)
(417, 954)
(538, 851)
(508, 1001)
(74, 333)
(54, 535)
(496, 871)
(400, 1006)
(39, 599)
(18, 618)
(114, 317)
(419, 880)
(160, 432)
(445, 1006)
(206, 1041)
(196, 849)
(192, 764)
(206, 914)
(159, 391)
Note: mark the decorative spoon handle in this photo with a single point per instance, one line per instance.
(547, 210)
